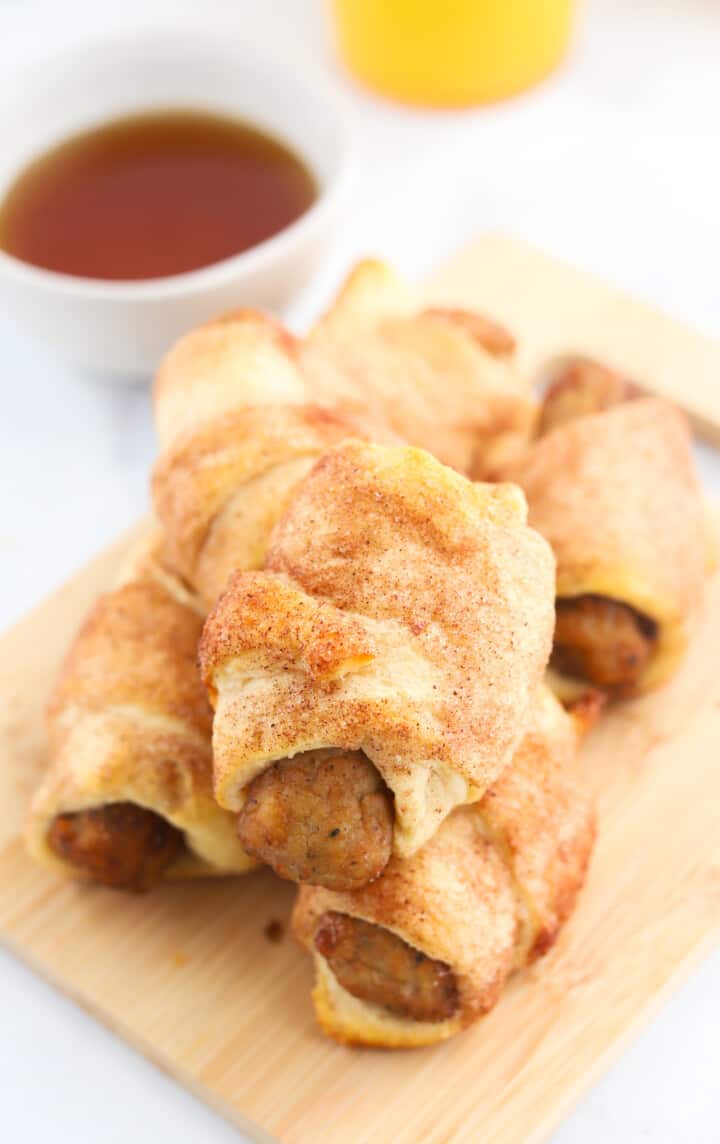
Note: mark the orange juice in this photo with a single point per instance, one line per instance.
(452, 53)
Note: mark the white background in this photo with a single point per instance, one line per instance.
(614, 163)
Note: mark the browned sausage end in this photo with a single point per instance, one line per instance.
(120, 845)
(323, 818)
(603, 641)
(377, 966)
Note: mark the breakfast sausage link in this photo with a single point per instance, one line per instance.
(322, 817)
(120, 845)
(583, 387)
(378, 966)
(603, 641)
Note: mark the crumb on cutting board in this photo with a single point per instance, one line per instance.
(274, 931)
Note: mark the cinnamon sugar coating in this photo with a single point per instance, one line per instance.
(405, 612)
(243, 410)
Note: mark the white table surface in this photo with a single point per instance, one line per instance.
(613, 164)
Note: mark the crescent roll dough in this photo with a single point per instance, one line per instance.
(616, 495)
(237, 432)
(441, 378)
(489, 893)
(244, 409)
(129, 723)
(404, 612)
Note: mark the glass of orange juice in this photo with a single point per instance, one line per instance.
(452, 53)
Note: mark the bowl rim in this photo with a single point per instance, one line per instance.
(252, 261)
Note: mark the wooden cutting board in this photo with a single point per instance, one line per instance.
(187, 973)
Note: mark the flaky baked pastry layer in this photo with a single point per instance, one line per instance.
(237, 431)
(404, 612)
(243, 409)
(486, 895)
(128, 721)
(441, 377)
(616, 495)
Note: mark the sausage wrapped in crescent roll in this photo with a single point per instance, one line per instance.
(611, 485)
(380, 671)
(426, 949)
(127, 799)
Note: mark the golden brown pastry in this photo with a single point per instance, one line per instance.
(611, 485)
(237, 432)
(583, 387)
(426, 949)
(420, 370)
(389, 651)
(127, 799)
(244, 409)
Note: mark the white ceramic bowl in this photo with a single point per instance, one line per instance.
(123, 328)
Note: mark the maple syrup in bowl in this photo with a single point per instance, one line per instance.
(148, 183)
(153, 195)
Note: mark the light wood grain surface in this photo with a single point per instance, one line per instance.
(187, 975)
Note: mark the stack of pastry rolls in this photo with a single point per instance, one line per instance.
(380, 670)
(331, 659)
(423, 951)
(243, 412)
(244, 409)
(382, 732)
